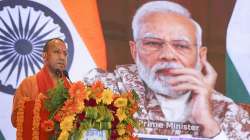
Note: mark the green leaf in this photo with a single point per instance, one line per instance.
(56, 98)
(135, 95)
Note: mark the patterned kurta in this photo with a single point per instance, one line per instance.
(233, 120)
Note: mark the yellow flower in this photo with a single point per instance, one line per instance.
(121, 131)
(121, 102)
(63, 135)
(67, 123)
(80, 107)
(121, 114)
(107, 96)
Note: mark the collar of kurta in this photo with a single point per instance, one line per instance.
(45, 82)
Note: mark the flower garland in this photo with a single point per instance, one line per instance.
(20, 117)
(36, 117)
(76, 110)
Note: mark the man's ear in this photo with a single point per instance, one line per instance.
(44, 55)
(203, 55)
(133, 52)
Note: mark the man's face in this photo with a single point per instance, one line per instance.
(56, 55)
(166, 41)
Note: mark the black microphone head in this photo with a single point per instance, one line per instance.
(66, 74)
(58, 73)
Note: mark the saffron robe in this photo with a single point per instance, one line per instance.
(31, 87)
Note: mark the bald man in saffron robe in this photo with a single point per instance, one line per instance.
(55, 62)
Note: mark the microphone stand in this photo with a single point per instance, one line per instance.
(60, 74)
(66, 74)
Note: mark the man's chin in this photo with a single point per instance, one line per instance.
(163, 73)
(172, 94)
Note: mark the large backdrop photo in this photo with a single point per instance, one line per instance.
(97, 33)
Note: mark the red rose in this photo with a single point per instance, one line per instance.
(90, 102)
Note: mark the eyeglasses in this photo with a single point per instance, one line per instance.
(156, 44)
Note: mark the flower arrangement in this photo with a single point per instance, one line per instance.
(75, 110)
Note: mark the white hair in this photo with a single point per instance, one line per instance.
(159, 83)
(163, 6)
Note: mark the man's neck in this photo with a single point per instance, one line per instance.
(175, 109)
(53, 76)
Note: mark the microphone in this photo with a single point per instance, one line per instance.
(66, 74)
(58, 73)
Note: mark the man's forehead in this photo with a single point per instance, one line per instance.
(58, 44)
(162, 37)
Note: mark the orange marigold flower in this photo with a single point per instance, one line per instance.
(77, 91)
(97, 86)
(48, 125)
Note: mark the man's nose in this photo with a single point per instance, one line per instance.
(62, 56)
(167, 53)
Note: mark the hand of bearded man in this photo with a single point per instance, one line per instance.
(201, 87)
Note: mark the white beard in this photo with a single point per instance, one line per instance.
(159, 84)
